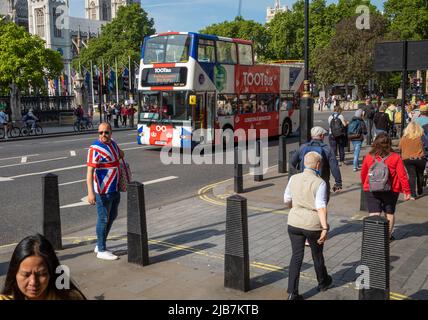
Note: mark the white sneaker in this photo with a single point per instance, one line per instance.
(96, 249)
(106, 255)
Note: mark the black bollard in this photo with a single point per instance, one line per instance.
(291, 170)
(138, 248)
(236, 257)
(258, 169)
(363, 203)
(238, 178)
(51, 212)
(375, 258)
(282, 154)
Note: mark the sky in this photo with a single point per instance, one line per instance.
(193, 15)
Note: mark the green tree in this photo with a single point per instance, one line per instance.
(24, 62)
(349, 56)
(121, 38)
(241, 29)
(409, 18)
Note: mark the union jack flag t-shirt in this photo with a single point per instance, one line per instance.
(105, 159)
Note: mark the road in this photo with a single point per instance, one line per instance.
(23, 163)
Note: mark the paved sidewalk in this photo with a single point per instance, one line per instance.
(186, 242)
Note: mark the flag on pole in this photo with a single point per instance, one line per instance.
(111, 79)
(125, 79)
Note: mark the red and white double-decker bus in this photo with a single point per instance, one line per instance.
(192, 81)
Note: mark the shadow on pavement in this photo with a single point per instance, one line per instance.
(348, 227)
(273, 276)
(411, 230)
(420, 295)
(188, 237)
(258, 187)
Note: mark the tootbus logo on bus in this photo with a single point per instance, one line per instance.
(162, 70)
(161, 128)
(258, 79)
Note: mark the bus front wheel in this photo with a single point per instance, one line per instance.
(286, 127)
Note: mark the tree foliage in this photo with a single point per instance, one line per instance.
(408, 18)
(24, 60)
(119, 39)
(241, 29)
(349, 56)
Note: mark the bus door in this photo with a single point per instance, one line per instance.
(204, 116)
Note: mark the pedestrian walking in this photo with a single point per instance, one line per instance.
(307, 220)
(124, 114)
(414, 152)
(102, 182)
(381, 121)
(329, 161)
(321, 104)
(115, 114)
(32, 273)
(356, 131)
(4, 121)
(384, 177)
(131, 112)
(369, 113)
(422, 120)
(337, 133)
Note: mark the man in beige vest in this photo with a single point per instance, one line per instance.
(306, 195)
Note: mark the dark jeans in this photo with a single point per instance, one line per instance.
(339, 142)
(298, 237)
(107, 205)
(415, 169)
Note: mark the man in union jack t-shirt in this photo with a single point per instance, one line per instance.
(102, 180)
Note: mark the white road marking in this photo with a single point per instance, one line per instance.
(23, 159)
(48, 171)
(160, 180)
(19, 157)
(84, 200)
(72, 182)
(2, 179)
(26, 163)
(72, 153)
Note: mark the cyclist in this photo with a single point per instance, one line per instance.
(4, 121)
(78, 113)
(30, 120)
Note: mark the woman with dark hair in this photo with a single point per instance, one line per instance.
(398, 182)
(32, 273)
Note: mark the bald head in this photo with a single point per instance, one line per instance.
(312, 160)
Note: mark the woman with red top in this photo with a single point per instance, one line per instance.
(385, 201)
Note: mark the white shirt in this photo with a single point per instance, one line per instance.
(320, 198)
(4, 118)
(340, 116)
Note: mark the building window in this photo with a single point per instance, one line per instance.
(56, 23)
(106, 11)
(40, 23)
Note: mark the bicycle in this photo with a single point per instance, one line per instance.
(12, 131)
(28, 129)
(85, 124)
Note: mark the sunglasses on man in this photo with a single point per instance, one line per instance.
(103, 132)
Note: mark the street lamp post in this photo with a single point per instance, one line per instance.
(306, 102)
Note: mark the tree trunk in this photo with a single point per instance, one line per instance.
(15, 102)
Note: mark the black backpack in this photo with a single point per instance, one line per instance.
(336, 126)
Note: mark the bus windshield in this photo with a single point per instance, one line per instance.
(169, 48)
(165, 106)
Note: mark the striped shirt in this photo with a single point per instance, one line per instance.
(105, 159)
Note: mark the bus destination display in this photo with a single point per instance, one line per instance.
(164, 76)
